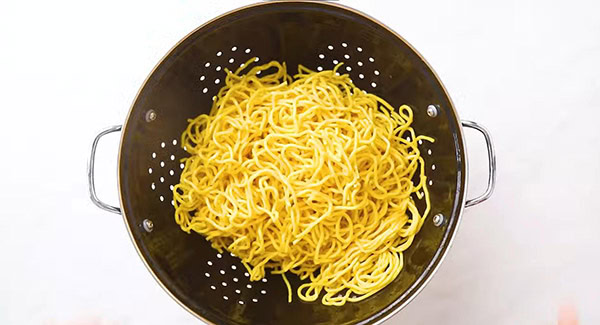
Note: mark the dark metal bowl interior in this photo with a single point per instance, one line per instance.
(182, 87)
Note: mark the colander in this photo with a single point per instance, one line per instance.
(215, 287)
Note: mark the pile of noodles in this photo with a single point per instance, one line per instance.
(305, 174)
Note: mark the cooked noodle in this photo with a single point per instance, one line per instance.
(308, 175)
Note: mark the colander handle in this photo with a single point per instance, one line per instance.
(491, 160)
(91, 184)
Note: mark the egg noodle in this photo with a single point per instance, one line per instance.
(305, 174)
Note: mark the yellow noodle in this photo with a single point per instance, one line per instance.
(305, 174)
(287, 285)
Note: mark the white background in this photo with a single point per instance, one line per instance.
(529, 70)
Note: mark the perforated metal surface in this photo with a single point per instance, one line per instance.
(215, 286)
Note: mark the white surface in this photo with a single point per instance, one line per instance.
(528, 70)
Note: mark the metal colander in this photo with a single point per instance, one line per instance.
(215, 287)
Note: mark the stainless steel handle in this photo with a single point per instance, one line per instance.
(91, 184)
(492, 163)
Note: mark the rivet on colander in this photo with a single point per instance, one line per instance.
(359, 49)
(233, 267)
(240, 302)
(438, 219)
(264, 280)
(235, 280)
(247, 51)
(225, 297)
(213, 287)
(207, 275)
(264, 292)
(148, 225)
(222, 272)
(249, 286)
(254, 300)
(219, 53)
(150, 115)
(430, 182)
(432, 111)
(238, 291)
(360, 64)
